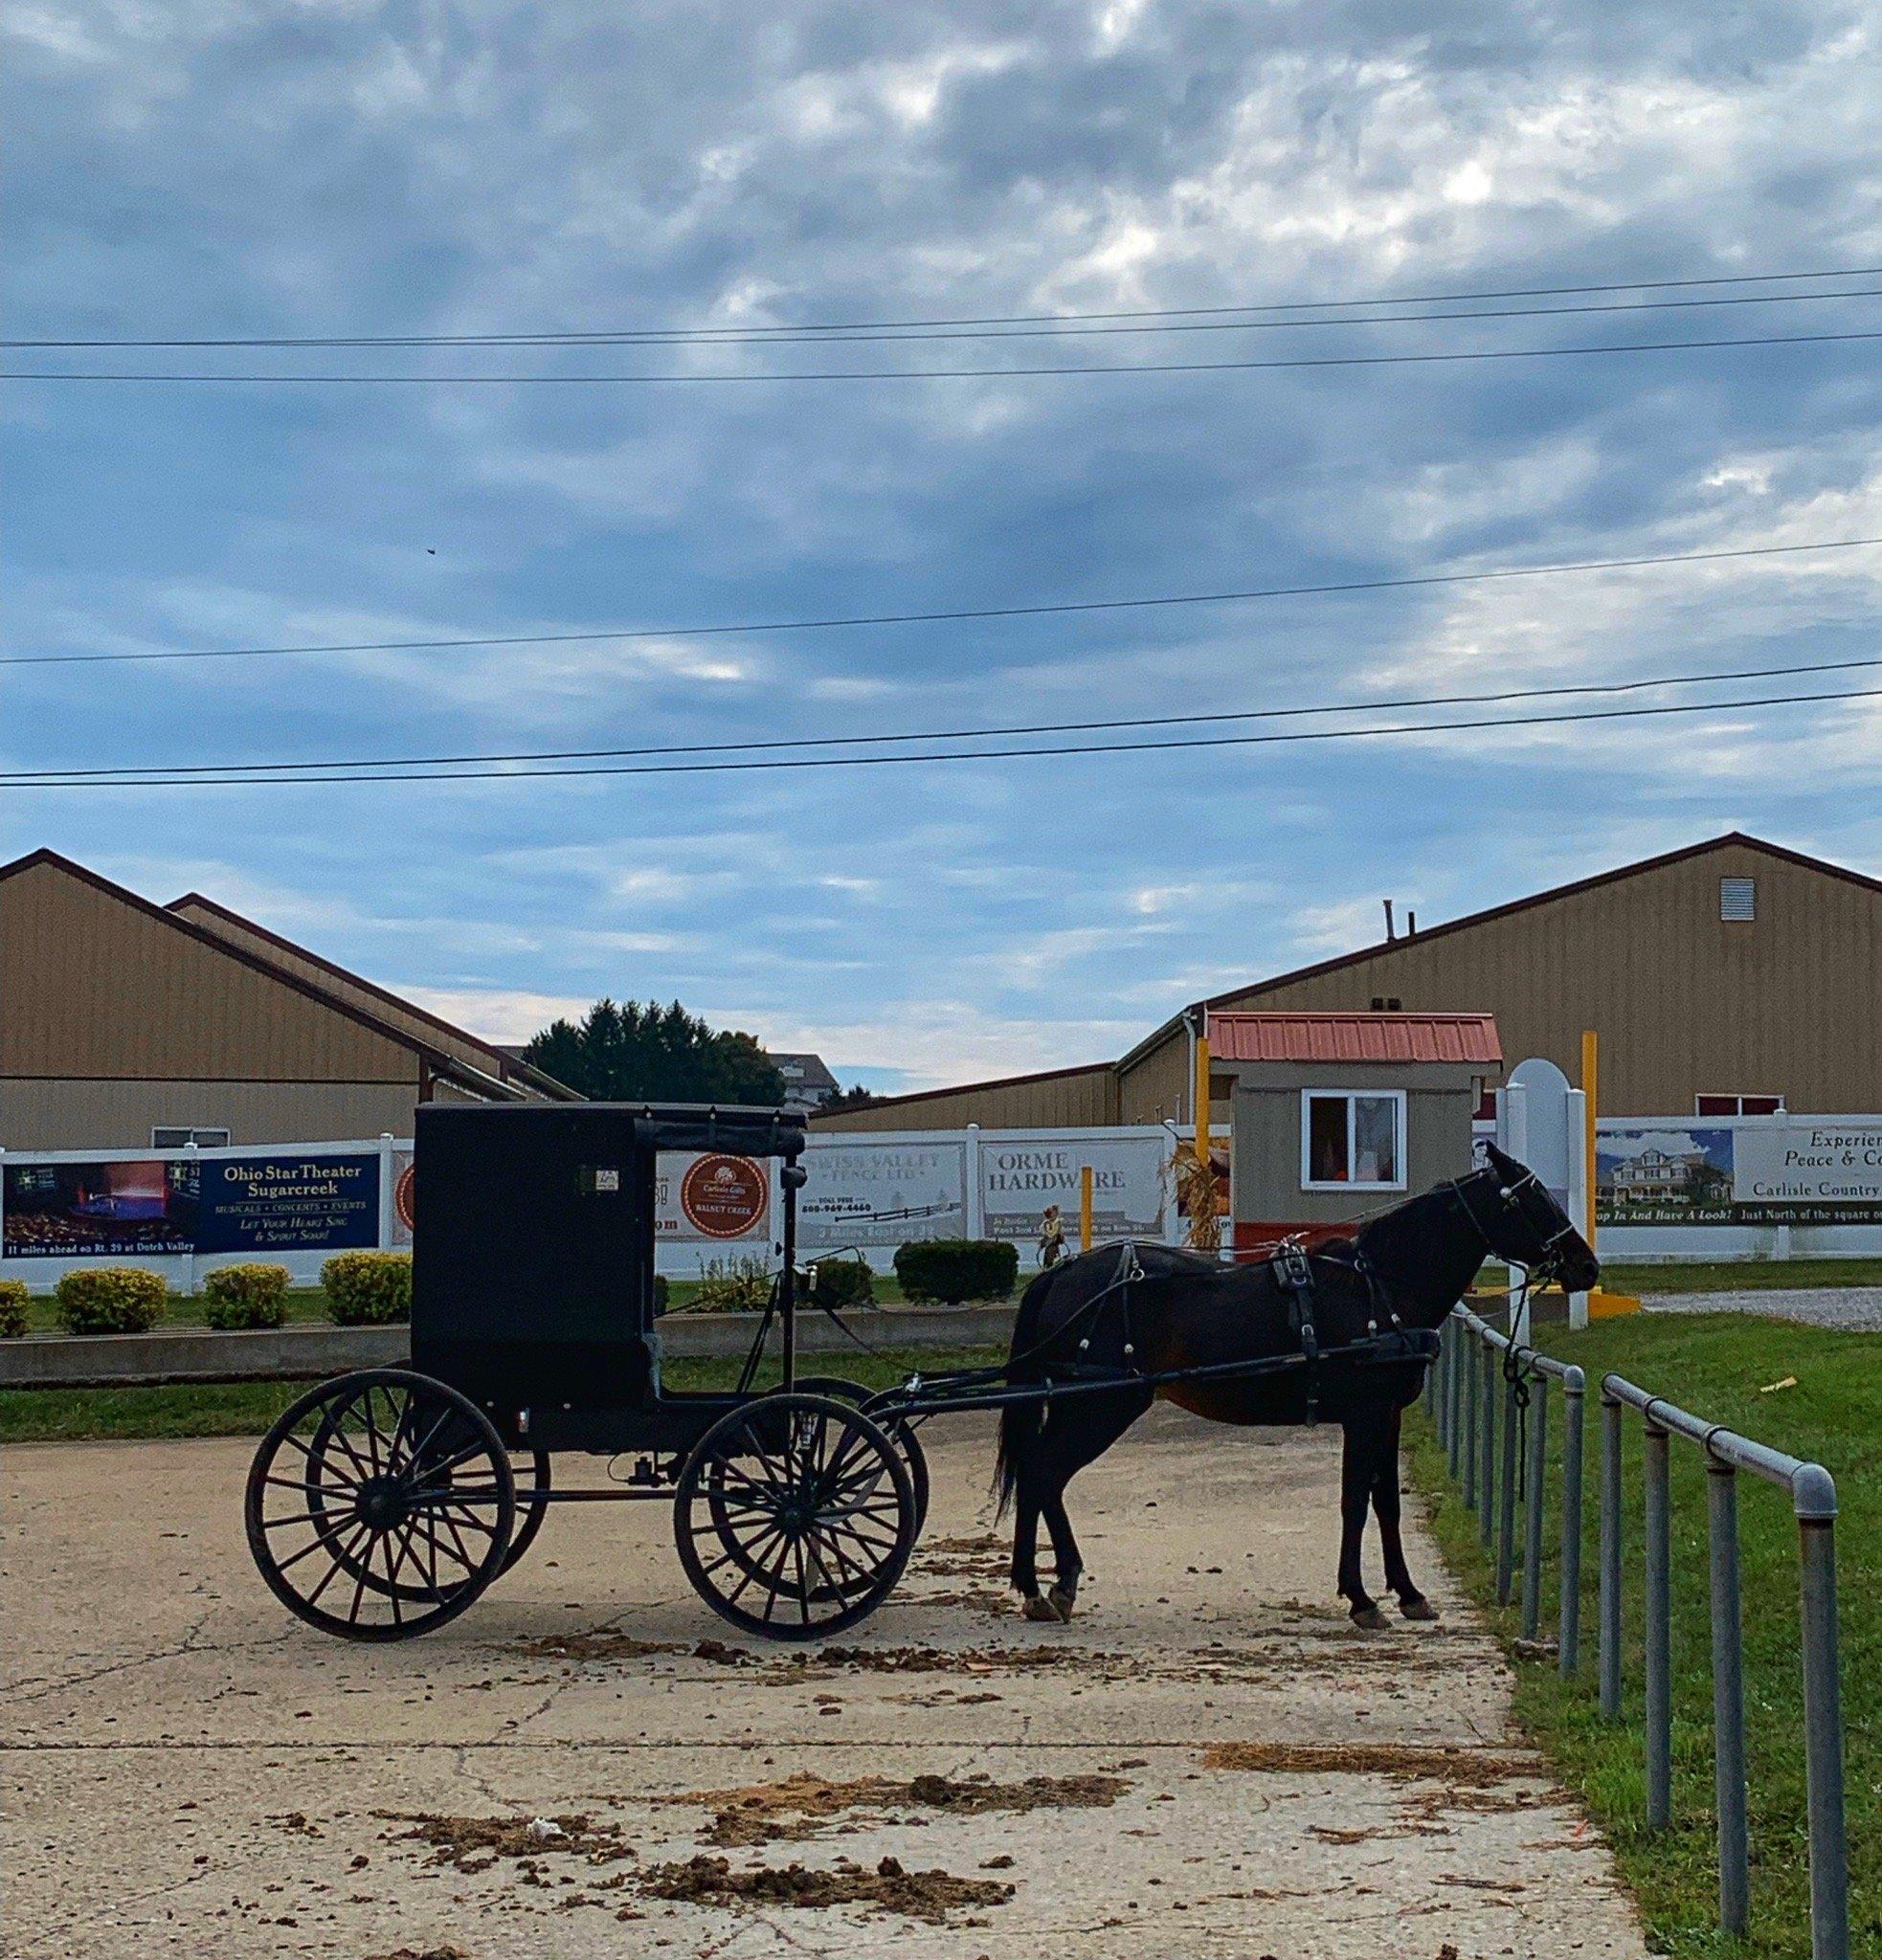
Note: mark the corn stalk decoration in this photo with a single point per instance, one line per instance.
(1199, 1194)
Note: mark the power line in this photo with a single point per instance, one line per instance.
(1068, 326)
(953, 615)
(849, 762)
(681, 333)
(288, 770)
(1793, 340)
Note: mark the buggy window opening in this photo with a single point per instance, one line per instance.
(1351, 1137)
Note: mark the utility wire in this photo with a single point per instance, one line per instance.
(850, 762)
(1793, 340)
(21, 777)
(684, 333)
(950, 615)
(1072, 326)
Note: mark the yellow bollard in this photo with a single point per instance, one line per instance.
(1085, 1207)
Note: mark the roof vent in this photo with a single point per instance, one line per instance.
(1737, 899)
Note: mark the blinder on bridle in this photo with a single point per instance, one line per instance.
(1527, 1198)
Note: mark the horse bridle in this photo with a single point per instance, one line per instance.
(1547, 1260)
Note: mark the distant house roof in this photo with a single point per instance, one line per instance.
(804, 1075)
(1383, 1037)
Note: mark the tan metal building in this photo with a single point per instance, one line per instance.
(1719, 977)
(126, 1023)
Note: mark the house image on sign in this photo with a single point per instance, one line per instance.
(1658, 1176)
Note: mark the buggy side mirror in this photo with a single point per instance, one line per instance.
(794, 1176)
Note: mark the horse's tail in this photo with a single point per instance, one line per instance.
(1018, 1421)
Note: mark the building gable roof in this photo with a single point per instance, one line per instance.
(437, 1060)
(500, 1061)
(1339, 960)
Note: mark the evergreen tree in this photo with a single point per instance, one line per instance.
(654, 1054)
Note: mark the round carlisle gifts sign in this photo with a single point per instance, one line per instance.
(724, 1197)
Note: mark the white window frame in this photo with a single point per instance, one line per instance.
(1397, 1097)
(204, 1136)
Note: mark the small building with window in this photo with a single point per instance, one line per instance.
(1336, 1115)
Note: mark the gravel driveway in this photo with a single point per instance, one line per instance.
(1849, 1310)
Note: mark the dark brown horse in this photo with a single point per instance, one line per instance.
(1153, 1310)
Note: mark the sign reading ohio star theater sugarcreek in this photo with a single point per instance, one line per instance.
(285, 1201)
(1792, 1170)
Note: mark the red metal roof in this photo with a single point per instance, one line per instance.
(1354, 1037)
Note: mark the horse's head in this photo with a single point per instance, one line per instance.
(1523, 1224)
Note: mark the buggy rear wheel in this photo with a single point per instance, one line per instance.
(380, 1505)
(795, 1517)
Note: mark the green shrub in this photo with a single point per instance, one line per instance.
(951, 1270)
(733, 1286)
(845, 1283)
(659, 1292)
(251, 1295)
(13, 1309)
(367, 1289)
(111, 1300)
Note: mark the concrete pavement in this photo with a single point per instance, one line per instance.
(1209, 1760)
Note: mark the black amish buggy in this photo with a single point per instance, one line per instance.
(382, 1503)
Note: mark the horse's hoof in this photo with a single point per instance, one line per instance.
(1418, 1607)
(1064, 1601)
(1370, 1620)
(1045, 1610)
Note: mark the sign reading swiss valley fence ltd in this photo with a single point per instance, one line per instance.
(862, 1192)
(1021, 1173)
(1778, 1170)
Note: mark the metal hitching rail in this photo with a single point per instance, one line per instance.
(1476, 1395)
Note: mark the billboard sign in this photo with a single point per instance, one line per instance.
(125, 1207)
(865, 1193)
(1772, 1171)
(1022, 1174)
(289, 1201)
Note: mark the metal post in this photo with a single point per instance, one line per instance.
(1473, 1376)
(1815, 1498)
(1728, 1697)
(1538, 1452)
(1506, 1497)
(1487, 1441)
(1574, 1409)
(1459, 1343)
(1658, 1611)
(1610, 1557)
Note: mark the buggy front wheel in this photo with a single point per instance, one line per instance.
(380, 1505)
(795, 1517)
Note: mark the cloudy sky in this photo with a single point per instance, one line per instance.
(335, 167)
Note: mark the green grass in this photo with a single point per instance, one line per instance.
(1714, 1364)
(247, 1408)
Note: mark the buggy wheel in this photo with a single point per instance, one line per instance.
(902, 1433)
(795, 1516)
(531, 1506)
(380, 1505)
